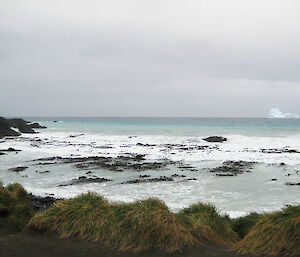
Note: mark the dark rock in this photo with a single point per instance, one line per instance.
(85, 180)
(279, 150)
(10, 150)
(89, 172)
(18, 169)
(232, 168)
(5, 129)
(46, 163)
(293, 184)
(187, 180)
(282, 164)
(42, 172)
(22, 125)
(35, 125)
(118, 164)
(215, 139)
(160, 179)
(2, 153)
(77, 135)
(41, 203)
(226, 174)
(145, 145)
(274, 179)
(178, 176)
(144, 176)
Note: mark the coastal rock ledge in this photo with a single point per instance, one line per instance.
(7, 125)
(215, 139)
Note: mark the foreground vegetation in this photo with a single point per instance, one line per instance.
(15, 205)
(275, 234)
(134, 226)
(147, 224)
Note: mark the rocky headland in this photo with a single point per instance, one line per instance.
(14, 127)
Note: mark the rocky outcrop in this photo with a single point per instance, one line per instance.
(134, 162)
(41, 203)
(233, 168)
(35, 125)
(215, 139)
(18, 169)
(5, 129)
(23, 126)
(85, 180)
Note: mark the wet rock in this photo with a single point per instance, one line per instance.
(46, 163)
(215, 139)
(23, 126)
(144, 176)
(18, 169)
(35, 125)
(5, 129)
(120, 163)
(77, 135)
(279, 150)
(2, 153)
(10, 150)
(149, 180)
(187, 180)
(226, 174)
(41, 203)
(274, 179)
(293, 183)
(85, 180)
(145, 145)
(233, 168)
(42, 172)
(89, 172)
(178, 176)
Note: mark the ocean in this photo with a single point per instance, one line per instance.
(256, 169)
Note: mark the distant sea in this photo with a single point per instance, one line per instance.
(272, 144)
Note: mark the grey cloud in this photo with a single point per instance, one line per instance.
(118, 60)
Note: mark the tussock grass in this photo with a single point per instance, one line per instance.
(136, 226)
(277, 233)
(242, 225)
(206, 224)
(15, 205)
(128, 226)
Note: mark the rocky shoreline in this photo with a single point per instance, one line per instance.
(8, 127)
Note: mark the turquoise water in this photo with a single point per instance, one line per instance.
(269, 143)
(174, 126)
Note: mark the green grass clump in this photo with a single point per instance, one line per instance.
(206, 224)
(15, 205)
(133, 226)
(136, 226)
(243, 224)
(275, 234)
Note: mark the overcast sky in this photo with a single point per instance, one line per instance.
(203, 58)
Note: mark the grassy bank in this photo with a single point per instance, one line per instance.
(15, 205)
(148, 224)
(275, 234)
(134, 226)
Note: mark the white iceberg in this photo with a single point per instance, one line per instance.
(276, 113)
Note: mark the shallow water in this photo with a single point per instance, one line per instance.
(247, 139)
